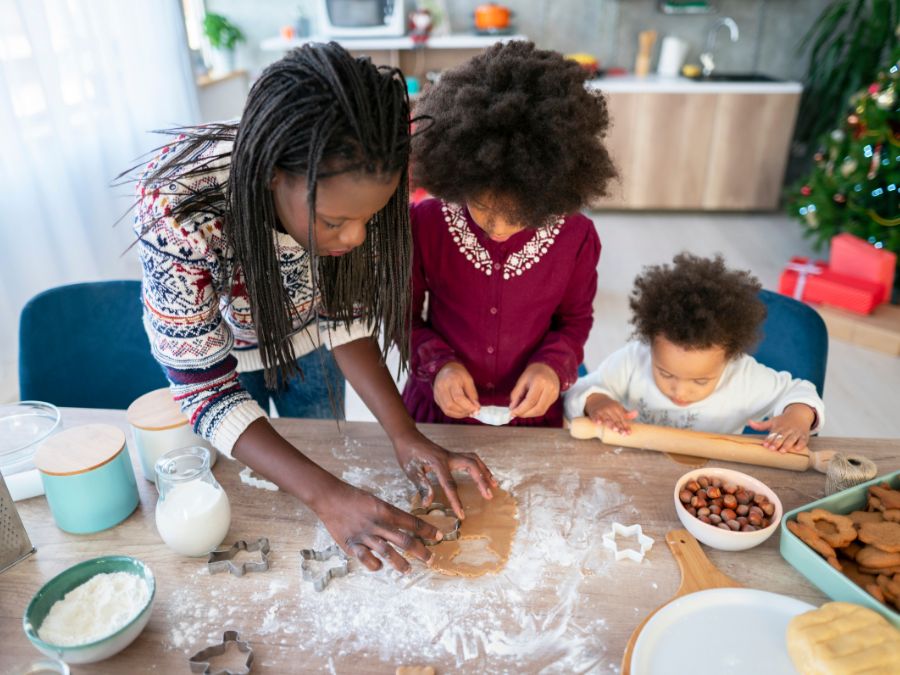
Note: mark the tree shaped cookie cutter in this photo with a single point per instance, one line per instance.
(438, 509)
(222, 560)
(320, 581)
(199, 662)
(644, 542)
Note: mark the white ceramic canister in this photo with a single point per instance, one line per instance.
(672, 54)
(158, 426)
(193, 513)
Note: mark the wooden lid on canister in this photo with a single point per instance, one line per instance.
(156, 411)
(79, 450)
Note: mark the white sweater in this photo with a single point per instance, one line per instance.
(746, 391)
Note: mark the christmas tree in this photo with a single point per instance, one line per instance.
(855, 182)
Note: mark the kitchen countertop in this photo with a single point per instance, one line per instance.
(561, 602)
(656, 84)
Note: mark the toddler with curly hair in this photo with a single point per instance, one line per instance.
(688, 367)
(511, 145)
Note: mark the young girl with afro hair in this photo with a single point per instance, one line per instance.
(694, 322)
(511, 146)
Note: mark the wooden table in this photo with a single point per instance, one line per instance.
(561, 601)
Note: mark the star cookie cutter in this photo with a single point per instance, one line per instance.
(319, 582)
(644, 542)
(199, 662)
(438, 509)
(222, 560)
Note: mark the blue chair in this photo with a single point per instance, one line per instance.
(84, 345)
(794, 339)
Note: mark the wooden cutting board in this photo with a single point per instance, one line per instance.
(697, 574)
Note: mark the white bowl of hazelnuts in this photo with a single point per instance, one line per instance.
(727, 509)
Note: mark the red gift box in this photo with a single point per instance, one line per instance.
(815, 282)
(858, 258)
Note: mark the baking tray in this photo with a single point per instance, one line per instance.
(814, 567)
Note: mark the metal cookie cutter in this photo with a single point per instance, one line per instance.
(199, 662)
(222, 560)
(319, 582)
(645, 543)
(443, 511)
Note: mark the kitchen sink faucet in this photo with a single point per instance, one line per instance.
(706, 58)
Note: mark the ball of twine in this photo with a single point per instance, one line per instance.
(845, 471)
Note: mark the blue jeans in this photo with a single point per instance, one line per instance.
(305, 396)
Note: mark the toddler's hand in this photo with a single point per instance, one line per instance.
(536, 390)
(454, 391)
(789, 431)
(609, 413)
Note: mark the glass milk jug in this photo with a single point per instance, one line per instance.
(193, 514)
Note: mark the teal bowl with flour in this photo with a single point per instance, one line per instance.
(68, 580)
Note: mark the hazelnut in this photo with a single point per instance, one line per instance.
(701, 512)
(734, 525)
(729, 501)
(755, 520)
(748, 528)
(685, 496)
(769, 509)
(693, 486)
(730, 488)
(704, 481)
(698, 502)
(715, 508)
(759, 498)
(724, 526)
(716, 482)
(728, 514)
(757, 511)
(704, 519)
(715, 519)
(742, 510)
(743, 520)
(742, 496)
(692, 510)
(713, 492)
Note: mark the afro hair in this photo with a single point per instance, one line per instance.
(698, 303)
(517, 123)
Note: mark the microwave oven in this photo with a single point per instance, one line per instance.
(362, 18)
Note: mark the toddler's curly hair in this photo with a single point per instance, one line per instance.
(516, 123)
(698, 303)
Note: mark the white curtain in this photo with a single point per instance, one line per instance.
(82, 82)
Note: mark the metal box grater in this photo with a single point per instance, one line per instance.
(14, 542)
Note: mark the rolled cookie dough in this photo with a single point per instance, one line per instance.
(494, 520)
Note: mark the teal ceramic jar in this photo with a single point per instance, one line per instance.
(88, 478)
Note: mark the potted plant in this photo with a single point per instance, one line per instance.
(223, 36)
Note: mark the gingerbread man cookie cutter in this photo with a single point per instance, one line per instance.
(222, 560)
(438, 509)
(199, 662)
(644, 542)
(320, 581)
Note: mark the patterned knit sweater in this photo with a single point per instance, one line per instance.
(199, 323)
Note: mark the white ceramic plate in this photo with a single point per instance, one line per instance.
(725, 630)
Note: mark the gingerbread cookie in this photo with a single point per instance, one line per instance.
(891, 514)
(851, 550)
(890, 571)
(890, 499)
(884, 536)
(889, 586)
(860, 517)
(875, 558)
(837, 530)
(852, 571)
(811, 538)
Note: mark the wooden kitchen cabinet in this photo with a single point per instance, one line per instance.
(718, 151)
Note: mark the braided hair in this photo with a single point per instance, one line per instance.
(317, 112)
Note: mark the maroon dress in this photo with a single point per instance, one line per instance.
(496, 307)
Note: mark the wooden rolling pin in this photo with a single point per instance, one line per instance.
(728, 447)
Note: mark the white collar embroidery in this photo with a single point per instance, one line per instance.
(516, 263)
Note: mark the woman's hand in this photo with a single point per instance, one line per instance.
(789, 431)
(609, 413)
(536, 390)
(364, 526)
(418, 457)
(454, 391)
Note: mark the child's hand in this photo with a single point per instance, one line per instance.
(454, 391)
(609, 413)
(535, 391)
(789, 431)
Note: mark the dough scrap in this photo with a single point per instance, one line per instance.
(840, 638)
(494, 519)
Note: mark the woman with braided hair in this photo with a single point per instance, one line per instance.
(264, 242)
